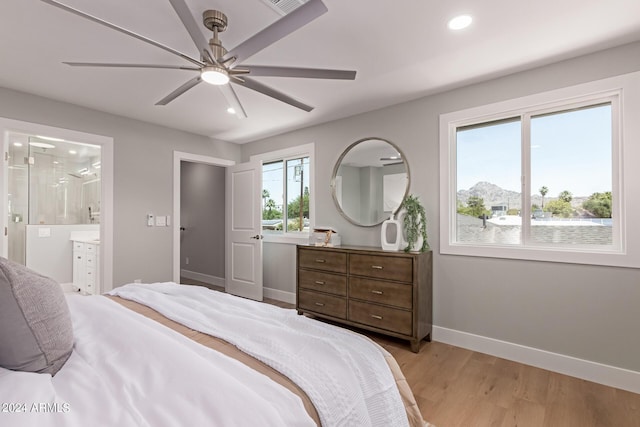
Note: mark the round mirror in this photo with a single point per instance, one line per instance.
(370, 181)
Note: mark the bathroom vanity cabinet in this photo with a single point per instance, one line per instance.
(86, 268)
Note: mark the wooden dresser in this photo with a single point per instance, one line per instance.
(385, 292)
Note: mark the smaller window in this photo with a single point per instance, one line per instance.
(288, 214)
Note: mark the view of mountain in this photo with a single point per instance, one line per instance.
(494, 196)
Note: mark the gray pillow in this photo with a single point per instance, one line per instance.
(36, 334)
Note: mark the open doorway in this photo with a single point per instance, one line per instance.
(199, 219)
(54, 190)
(202, 224)
(52, 180)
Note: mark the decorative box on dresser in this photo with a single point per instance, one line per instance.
(366, 287)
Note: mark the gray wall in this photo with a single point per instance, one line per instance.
(143, 176)
(589, 312)
(202, 213)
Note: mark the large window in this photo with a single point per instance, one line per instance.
(534, 182)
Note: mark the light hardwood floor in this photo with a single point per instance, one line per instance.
(455, 387)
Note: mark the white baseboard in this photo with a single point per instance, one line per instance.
(206, 278)
(591, 371)
(289, 297)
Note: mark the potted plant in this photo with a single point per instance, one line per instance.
(414, 222)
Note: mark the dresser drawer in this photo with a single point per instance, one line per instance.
(323, 282)
(322, 303)
(388, 293)
(382, 267)
(390, 319)
(323, 260)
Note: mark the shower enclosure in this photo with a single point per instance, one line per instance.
(50, 182)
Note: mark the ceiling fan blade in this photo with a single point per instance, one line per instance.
(276, 31)
(266, 90)
(308, 73)
(112, 65)
(233, 101)
(192, 27)
(182, 89)
(122, 30)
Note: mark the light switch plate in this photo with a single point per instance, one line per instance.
(161, 221)
(150, 220)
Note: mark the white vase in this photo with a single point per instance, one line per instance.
(391, 227)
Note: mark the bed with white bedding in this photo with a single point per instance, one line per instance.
(129, 370)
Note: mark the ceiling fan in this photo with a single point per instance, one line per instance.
(216, 65)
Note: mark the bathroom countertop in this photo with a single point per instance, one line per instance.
(92, 241)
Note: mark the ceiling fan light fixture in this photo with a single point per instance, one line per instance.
(215, 75)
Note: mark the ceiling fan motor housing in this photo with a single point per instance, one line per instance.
(215, 21)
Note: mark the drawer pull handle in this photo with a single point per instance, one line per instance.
(377, 292)
(377, 267)
(319, 282)
(319, 304)
(320, 260)
(375, 316)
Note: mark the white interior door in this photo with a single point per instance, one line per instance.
(244, 227)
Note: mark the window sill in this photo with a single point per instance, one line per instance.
(564, 255)
(286, 239)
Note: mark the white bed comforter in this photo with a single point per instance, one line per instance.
(127, 370)
(343, 373)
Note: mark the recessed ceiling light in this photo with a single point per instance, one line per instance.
(17, 144)
(72, 151)
(460, 22)
(230, 110)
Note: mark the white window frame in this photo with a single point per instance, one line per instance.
(306, 150)
(624, 93)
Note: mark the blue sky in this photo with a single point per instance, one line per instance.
(569, 151)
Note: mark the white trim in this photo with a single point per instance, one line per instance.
(206, 278)
(106, 184)
(290, 238)
(625, 252)
(298, 150)
(179, 156)
(587, 370)
(277, 294)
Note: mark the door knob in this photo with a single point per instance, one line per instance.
(257, 237)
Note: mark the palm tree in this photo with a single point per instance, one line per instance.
(543, 192)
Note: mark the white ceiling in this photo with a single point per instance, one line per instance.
(401, 50)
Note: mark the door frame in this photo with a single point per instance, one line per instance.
(178, 157)
(106, 185)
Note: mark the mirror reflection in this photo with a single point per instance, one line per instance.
(370, 181)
